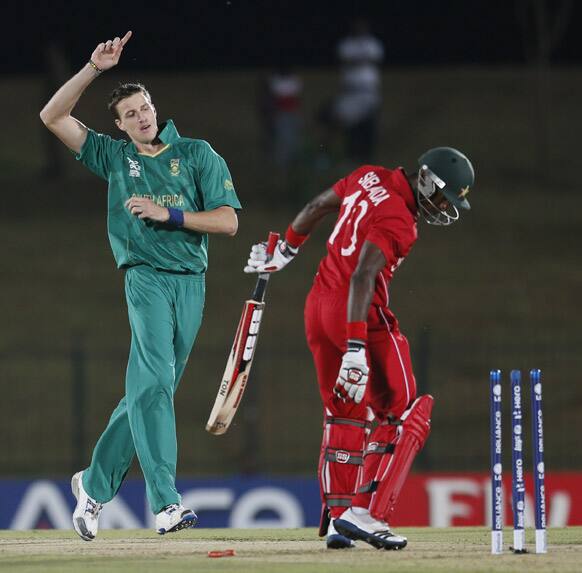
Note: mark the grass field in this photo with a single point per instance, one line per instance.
(290, 551)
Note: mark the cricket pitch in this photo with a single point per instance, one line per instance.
(460, 549)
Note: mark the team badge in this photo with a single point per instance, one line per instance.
(228, 185)
(464, 191)
(174, 167)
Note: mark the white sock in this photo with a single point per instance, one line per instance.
(360, 510)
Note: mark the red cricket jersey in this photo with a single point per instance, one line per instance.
(378, 205)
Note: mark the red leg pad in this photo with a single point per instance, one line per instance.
(394, 468)
(340, 462)
(379, 445)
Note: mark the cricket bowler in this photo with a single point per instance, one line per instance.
(374, 423)
(166, 193)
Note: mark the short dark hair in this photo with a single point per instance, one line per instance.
(123, 91)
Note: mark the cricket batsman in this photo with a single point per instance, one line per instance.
(374, 423)
(166, 193)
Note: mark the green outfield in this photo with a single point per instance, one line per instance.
(290, 551)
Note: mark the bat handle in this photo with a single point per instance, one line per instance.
(272, 243)
(260, 287)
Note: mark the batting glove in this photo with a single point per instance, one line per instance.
(353, 375)
(260, 263)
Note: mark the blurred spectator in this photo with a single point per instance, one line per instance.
(280, 111)
(355, 110)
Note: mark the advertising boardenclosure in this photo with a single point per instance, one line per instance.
(428, 499)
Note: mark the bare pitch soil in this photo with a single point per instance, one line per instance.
(289, 551)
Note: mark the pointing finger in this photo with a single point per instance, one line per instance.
(125, 38)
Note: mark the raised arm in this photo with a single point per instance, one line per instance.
(56, 114)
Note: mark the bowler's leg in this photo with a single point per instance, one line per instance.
(111, 458)
(190, 293)
(150, 383)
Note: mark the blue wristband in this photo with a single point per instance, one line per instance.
(176, 217)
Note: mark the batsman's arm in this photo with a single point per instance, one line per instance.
(56, 114)
(371, 259)
(363, 280)
(314, 211)
(353, 374)
(297, 233)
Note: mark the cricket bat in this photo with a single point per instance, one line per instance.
(238, 366)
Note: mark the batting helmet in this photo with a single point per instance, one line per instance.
(455, 172)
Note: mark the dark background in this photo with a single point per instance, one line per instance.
(228, 34)
(500, 289)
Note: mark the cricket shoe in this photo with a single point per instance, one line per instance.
(175, 517)
(365, 528)
(335, 540)
(86, 514)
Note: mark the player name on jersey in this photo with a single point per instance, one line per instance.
(376, 193)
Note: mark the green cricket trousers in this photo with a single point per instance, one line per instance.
(165, 312)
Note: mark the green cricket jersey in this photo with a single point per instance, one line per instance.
(187, 174)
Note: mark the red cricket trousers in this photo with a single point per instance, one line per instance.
(349, 453)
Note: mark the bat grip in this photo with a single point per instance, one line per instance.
(272, 243)
(261, 286)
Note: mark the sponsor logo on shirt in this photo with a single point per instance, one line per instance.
(134, 168)
(228, 185)
(174, 167)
